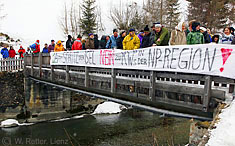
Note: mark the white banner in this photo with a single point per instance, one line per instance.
(209, 59)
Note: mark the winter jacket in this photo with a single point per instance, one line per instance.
(77, 45)
(226, 39)
(102, 43)
(164, 37)
(112, 42)
(233, 42)
(5, 53)
(58, 47)
(21, 52)
(96, 42)
(90, 44)
(131, 43)
(195, 37)
(141, 38)
(69, 44)
(147, 41)
(119, 42)
(207, 37)
(35, 47)
(12, 53)
(51, 48)
(45, 50)
(178, 36)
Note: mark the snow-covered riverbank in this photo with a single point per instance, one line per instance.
(223, 134)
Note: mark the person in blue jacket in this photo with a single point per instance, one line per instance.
(45, 49)
(112, 42)
(4, 52)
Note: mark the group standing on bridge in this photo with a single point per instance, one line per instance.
(157, 36)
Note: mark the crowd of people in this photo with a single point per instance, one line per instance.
(157, 35)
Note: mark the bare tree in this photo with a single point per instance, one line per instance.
(69, 21)
(126, 16)
(99, 24)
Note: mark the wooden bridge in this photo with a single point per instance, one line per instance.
(11, 64)
(194, 94)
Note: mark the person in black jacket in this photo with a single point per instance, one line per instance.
(102, 43)
(69, 43)
(96, 41)
(120, 39)
(207, 37)
(147, 40)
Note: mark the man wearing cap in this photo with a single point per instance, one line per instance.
(112, 42)
(207, 37)
(51, 46)
(131, 41)
(120, 39)
(90, 43)
(162, 35)
(195, 36)
(77, 45)
(147, 40)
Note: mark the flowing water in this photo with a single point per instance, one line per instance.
(131, 127)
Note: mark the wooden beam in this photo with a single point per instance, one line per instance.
(207, 93)
(152, 85)
(67, 78)
(52, 73)
(32, 64)
(40, 64)
(113, 80)
(87, 78)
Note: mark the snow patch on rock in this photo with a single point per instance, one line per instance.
(109, 108)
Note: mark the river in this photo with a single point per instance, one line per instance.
(131, 127)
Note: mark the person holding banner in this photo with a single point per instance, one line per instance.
(195, 36)
(131, 41)
(147, 40)
(226, 37)
(178, 36)
(77, 45)
(90, 42)
(162, 35)
(59, 46)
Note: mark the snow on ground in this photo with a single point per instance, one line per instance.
(108, 108)
(9, 122)
(224, 133)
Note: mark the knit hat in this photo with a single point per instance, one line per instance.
(157, 24)
(91, 34)
(146, 28)
(194, 25)
(203, 28)
(21, 47)
(123, 31)
(37, 41)
(79, 36)
(115, 30)
(132, 29)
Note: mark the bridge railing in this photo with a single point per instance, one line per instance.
(194, 91)
(11, 64)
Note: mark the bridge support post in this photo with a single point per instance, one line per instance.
(87, 78)
(67, 77)
(52, 72)
(40, 64)
(32, 63)
(113, 80)
(207, 93)
(152, 86)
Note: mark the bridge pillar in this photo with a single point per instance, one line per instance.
(152, 85)
(52, 72)
(40, 64)
(67, 77)
(113, 80)
(87, 78)
(207, 93)
(32, 63)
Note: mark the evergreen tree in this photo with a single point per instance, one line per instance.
(214, 14)
(88, 20)
(172, 13)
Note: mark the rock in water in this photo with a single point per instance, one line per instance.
(9, 123)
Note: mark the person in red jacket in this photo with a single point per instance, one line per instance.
(35, 47)
(77, 45)
(12, 52)
(21, 51)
